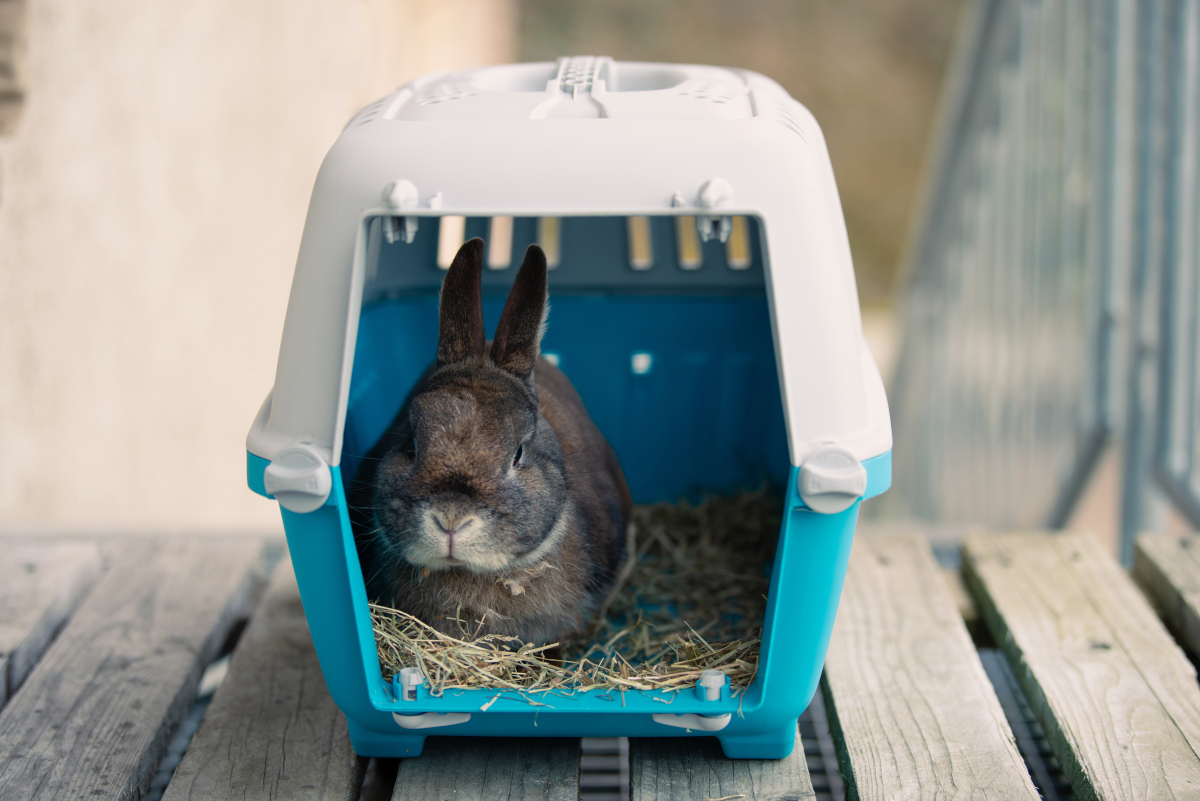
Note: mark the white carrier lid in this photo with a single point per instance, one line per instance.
(587, 136)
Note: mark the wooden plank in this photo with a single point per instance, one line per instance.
(687, 769)
(1167, 566)
(491, 769)
(911, 707)
(96, 714)
(272, 730)
(1117, 698)
(41, 583)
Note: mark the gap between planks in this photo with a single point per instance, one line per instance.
(1117, 698)
(41, 584)
(95, 715)
(272, 730)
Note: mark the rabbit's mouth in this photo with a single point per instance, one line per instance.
(490, 562)
(444, 540)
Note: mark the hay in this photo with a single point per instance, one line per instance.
(691, 598)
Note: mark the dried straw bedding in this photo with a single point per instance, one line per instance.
(691, 598)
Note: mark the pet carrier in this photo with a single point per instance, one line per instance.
(703, 304)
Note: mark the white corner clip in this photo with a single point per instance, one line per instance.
(831, 479)
(298, 478)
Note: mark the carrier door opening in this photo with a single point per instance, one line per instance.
(668, 342)
(672, 356)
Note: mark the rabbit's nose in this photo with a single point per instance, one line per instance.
(451, 525)
(441, 522)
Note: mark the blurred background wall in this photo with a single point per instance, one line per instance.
(156, 161)
(155, 168)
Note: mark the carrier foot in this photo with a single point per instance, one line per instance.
(369, 743)
(775, 744)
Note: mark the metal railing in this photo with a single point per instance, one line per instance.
(1055, 269)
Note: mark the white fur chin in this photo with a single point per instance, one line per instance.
(492, 565)
(471, 548)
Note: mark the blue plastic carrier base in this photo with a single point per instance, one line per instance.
(699, 412)
(806, 583)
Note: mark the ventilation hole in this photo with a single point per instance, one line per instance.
(444, 93)
(709, 93)
(787, 120)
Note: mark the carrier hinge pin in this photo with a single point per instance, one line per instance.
(709, 686)
(407, 681)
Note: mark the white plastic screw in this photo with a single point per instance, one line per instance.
(712, 681)
(410, 680)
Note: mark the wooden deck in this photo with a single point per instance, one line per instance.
(1082, 688)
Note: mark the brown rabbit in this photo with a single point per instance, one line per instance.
(492, 491)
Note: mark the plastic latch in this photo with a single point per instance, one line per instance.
(710, 684)
(397, 196)
(298, 478)
(831, 479)
(715, 193)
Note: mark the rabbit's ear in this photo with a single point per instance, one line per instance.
(519, 332)
(460, 311)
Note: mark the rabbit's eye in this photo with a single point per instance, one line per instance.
(517, 457)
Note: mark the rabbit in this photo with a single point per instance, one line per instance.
(493, 504)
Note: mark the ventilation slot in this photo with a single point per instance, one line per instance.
(709, 92)
(444, 93)
(369, 113)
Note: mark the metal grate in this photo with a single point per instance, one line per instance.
(1044, 769)
(604, 769)
(604, 761)
(820, 752)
